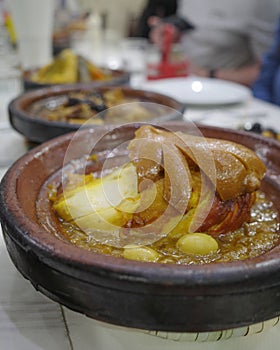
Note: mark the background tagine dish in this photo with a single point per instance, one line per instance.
(70, 68)
(52, 111)
(97, 107)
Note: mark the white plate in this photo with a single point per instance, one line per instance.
(200, 91)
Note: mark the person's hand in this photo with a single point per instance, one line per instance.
(157, 31)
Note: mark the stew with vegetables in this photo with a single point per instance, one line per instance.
(180, 199)
(111, 106)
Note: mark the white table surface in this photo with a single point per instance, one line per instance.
(30, 321)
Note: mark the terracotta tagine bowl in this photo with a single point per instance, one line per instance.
(26, 117)
(150, 296)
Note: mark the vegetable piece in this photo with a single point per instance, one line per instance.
(104, 220)
(97, 195)
(64, 69)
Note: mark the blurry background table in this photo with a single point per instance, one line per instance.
(29, 320)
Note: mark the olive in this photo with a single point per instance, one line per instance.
(140, 253)
(253, 127)
(197, 244)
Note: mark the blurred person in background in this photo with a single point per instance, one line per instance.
(267, 85)
(228, 39)
(154, 8)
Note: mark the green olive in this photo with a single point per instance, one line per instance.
(140, 253)
(197, 244)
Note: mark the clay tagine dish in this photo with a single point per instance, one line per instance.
(187, 273)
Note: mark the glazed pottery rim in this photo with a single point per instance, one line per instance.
(16, 111)
(29, 235)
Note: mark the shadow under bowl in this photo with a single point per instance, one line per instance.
(151, 296)
(38, 129)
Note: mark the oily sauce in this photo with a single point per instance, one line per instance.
(257, 236)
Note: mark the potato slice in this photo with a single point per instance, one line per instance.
(108, 219)
(99, 194)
